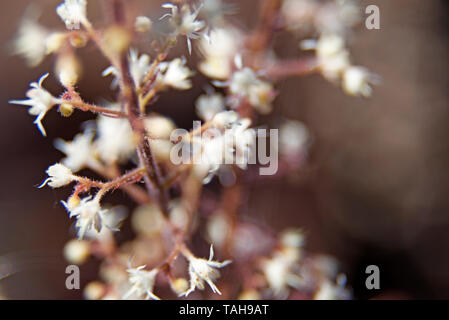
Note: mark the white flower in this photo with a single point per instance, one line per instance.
(139, 67)
(185, 22)
(174, 74)
(225, 119)
(333, 57)
(279, 271)
(356, 81)
(112, 219)
(88, 215)
(142, 282)
(260, 94)
(142, 24)
(40, 101)
(333, 291)
(208, 105)
(293, 138)
(243, 141)
(79, 152)
(115, 140)
(201, 270)
(228, 141)
(219, 50)
(30, 41)
(59, 175)
(72, 12)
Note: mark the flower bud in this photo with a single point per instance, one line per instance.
(78, 40)
(180, 285)
(77, 251)
(94, 290)
(142, 24)
(66, 109)
(68, 69)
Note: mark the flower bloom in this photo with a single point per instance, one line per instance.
(40, 101)
(174, 74)
(219, 51)
(201, 270)
(115, 140)
(356, 81)
(88, 215)
(260, 94)
(79, 152)
(72, 12)
(142, 283)
(59, 175)
(185, 22)
(31, 40)
(207, 106)
(139, 67)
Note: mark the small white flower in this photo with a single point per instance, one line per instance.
(293, 138)
(201, 270)
(185, 22)
(112, 219)
(40, 100)
(356, 81)
(333, 291)
(260, 94)
(279, 271)
(142, 283)
(139, 67)
(115, 140)
(59, 175)
(225, 119)
(219, 51)
(88, 215)
(142, 24)
(333, 57)
(30, 41)
(79, 152)
(174, 74)
(72, 12)
(243, 141)
(208, 105)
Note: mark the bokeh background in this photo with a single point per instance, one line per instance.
(375, 189)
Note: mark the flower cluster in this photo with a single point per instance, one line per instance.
(129, 148)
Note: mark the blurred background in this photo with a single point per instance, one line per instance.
(375, 189)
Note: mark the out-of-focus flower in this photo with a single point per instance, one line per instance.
(142, 24)
(333, 291)
(356, 81)
(77, 251)
(201, 270)
(72, 12)
(208, 105)
(219, 51)
(115, 141)
(59, 175)
(142, 283)
(293, 138)
(244, 83)
(79, 152)
(174, 74)
(334, 62)
(31, 39)
(281, 269)
(40, 101)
